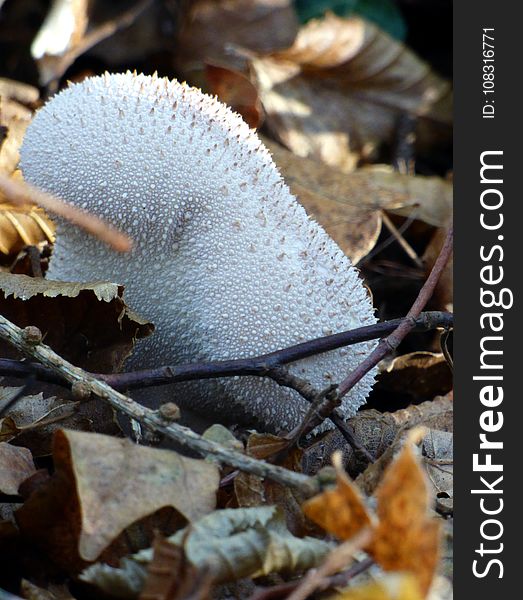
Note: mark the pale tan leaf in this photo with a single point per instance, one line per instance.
(229, 544)
(16, 465)
(21, 193)
(117, 483)
(18, 91)
(62, 30)
(349, 205)
(336, 94)
(21, 227)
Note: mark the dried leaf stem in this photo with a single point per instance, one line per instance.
(21, 193)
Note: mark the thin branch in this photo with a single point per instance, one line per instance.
(391, 342)
(21, 193)
(338, 557)
(261, 366)
(396, 234)
(150, 419)
(339, 580)
(386, 344)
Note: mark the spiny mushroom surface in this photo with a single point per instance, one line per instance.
(226, 262)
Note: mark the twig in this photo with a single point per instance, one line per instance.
(21, 193)
(149, 418)
(339, 580)
(390, 343)
(396, 234)
(387, 242)
(337, 558)
(257, 366)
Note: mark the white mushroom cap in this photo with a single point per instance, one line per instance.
(226, 262)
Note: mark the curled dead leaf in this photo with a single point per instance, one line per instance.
(228, 544)
(336, 93)
(406, 538)
(341, 510)
(107, 484)
(88, 324)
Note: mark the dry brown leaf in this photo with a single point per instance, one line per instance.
(376, 431)
(229, 544)
(15, 97)
(428, 199)
(438, 458)
(170, 576)
(21, 227)
(243, 24)
(33, 419)
(15, 119)
(16, 465)
(62, 30)
(336, 94)
(341, 510)
(56, 46)
(348, 213)
(119, 482)
(88, 324)
(19, 92)
(237, 91)
(30, 412)
(421, 375)
(349, 205)
(250, 490)
(406, 538)
(20, 193)
(264, 445)
(108, 484)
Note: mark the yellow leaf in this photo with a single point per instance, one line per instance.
(406, 538)
(341, 510)
(395, 586)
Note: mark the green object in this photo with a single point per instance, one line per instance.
(384, 13)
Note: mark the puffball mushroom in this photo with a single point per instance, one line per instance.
(225, 262)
